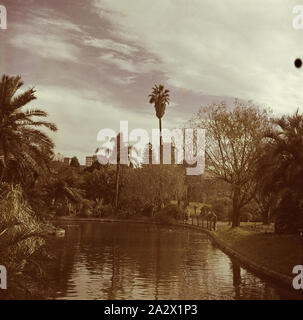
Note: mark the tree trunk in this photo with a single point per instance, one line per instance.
(236, 217)
(161, 162)
(161, 146)
(265, 217)
(236, 208)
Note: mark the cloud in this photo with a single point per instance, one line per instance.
(123, 80)
(129, 65)
(224, 49)
(109, 44)
(49, 19)
(47, 46)
(50, 37)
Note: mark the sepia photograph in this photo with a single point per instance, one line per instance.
(151, 150)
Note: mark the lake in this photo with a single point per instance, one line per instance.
(140, 261)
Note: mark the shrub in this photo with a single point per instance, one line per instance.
(107, 210)
(21, 240)
(246, 217)
(288, 215)
(123, 214)
(164, 218)
(87, 208)
(147, 210)
(168, 214)
(102, 210)
(220, 207)
(98, 208)
(62, 210)
(171, 211)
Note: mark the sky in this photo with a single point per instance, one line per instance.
(94, 62)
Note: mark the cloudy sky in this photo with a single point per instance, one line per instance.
(94, 62)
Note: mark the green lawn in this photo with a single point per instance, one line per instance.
(277, 252)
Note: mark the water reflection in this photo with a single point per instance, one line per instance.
(138, 261)
(236, 279)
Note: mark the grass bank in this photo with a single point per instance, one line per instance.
(278, 253)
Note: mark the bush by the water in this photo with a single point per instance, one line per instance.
(101, 210)
(147, 210)
(168, 215)
(107, 210)
(123, 214)
(171, 210)
(86, 208)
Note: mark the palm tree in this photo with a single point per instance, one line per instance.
(25, 151)
(284, 155)
(61, 195)
(160, 98)
(280, 171)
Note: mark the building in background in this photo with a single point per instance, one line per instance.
(89, 160)
(59, 157)
(66, 160)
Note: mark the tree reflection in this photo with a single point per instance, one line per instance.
(236, 270)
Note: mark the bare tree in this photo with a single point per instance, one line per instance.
(233, 137)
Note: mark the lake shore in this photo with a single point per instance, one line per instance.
(269, 254)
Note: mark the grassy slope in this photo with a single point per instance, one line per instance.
(277, 252)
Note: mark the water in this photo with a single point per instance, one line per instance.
(140, 261)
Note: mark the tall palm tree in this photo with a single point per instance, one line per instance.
(24, 150)
(160, 98)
